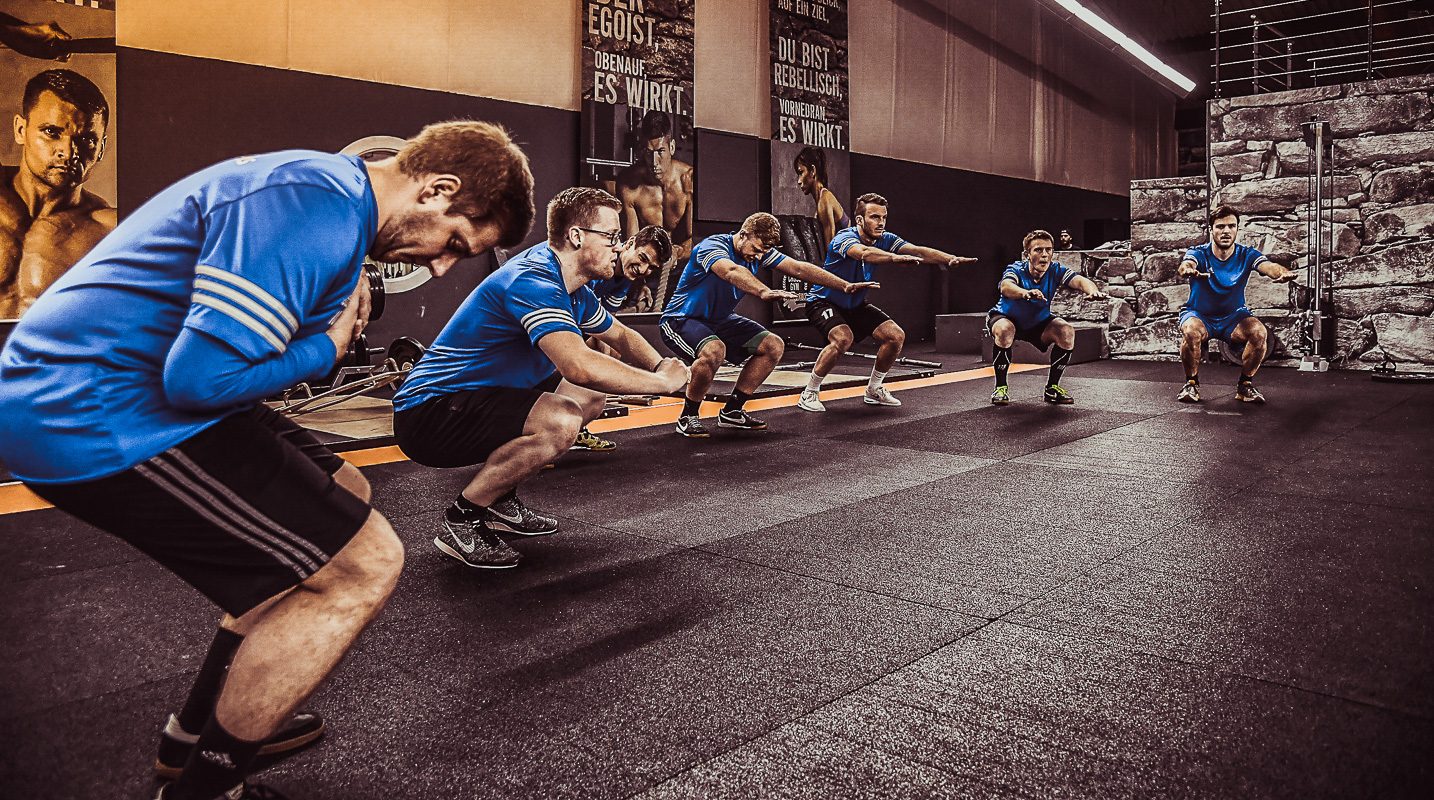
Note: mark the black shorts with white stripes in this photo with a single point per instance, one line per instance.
(242, 510)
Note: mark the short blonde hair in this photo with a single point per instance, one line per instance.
(764, 227)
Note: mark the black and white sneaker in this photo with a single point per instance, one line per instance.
(175, 743)
(692, 427)
(476, 545)
(244, 791)
(509, 514)
(739, 419)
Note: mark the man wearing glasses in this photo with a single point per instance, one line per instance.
(509, 381)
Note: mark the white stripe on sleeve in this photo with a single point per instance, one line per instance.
(242, 317)
(253, 289)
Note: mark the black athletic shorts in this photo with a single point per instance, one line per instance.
(464, 428)
(862, 319)
(242, 510)
(1032, 334)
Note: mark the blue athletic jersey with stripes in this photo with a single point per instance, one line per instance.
(701, 293)
(1223, 293)
(852, 270)
(612, 292)
(492, 340)
(259, 252)
(1030, 313)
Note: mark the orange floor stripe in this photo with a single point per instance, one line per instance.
(15, 497)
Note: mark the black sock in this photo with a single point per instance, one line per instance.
(205, 693)
(1195, 379)
(463, 510)
(1059, 359)
(1246, 378)
(218, 763)
(1002, 362)
(736, 401)
(691, 407)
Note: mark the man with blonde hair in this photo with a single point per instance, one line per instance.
(700, 326)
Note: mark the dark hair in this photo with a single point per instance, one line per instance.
(576, 206)
(815, 159)
(869, 197)
(497, 184)
(1222, 211)
(1034, 235)
(71, 87)
(656, 238)
(655, 125)
(765, 227)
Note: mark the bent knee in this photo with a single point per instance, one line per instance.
(841, 339)
(368, 565)
(771, 346)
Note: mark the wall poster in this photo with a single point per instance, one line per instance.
(637, 134)
(57, 175)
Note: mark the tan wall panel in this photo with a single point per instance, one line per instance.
(732, 73)
(399, 43)
(244, 31)
(526, 51)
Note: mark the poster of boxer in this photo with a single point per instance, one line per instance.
(637, 134)
(57, 166)
(811, 175)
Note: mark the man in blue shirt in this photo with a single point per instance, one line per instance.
(510, 381)
(1218, 272)
(1024, 312)
(129, 397)
(700, 326)
(846, 319)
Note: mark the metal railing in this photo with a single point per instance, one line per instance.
(1275, 46)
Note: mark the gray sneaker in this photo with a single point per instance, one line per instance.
(476, 545)
(509, 514)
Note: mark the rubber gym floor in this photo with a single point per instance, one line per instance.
(1127, 597)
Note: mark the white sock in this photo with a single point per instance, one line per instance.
(874, 382)
(814, 383)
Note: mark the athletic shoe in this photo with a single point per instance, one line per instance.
(880, 397)
(811, 401)
(175, 743)
(476, 545)
(246, 791)
(1247, 392)
(692, 427)
(1190, 394)
(509, 514)
(739, 419)
(587, 440)
(1055, 394)
(1001, 397)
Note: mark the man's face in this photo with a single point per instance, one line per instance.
(1065, 237)
(659, 154)
(59, 142)
(427, 235)
(873, 221)
(1223, 231)
(748, 246)
(597, 254)
(806, 179)
(1039, 256)
(637, 262)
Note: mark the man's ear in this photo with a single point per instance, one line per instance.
(440, 186)
(19, 130)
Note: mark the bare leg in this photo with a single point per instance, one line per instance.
(890, 338)
(1193, 336)
(704, 368)
(1252, 335)
(590, 402)
(760, 365)
(292, 642)
(839, 340)
(551, 428)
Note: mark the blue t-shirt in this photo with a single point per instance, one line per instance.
(612, 292)
(701, 293)
(850, 269)
(1030, 313)
(492, 340)
(1223, 293)
(259, 252)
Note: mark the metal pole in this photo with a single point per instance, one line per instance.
(1217, 49)
(1369, 49)
(1254, 54)
(1289, 66)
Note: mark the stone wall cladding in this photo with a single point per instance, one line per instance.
(1380, 280)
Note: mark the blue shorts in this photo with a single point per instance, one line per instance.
(686, 336)
(1220, 328)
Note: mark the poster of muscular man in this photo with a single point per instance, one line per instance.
(57, 176)
(637, 137)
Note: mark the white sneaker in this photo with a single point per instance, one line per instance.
(880, 397)
(811, 401)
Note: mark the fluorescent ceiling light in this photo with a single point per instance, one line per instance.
(1130, 45)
